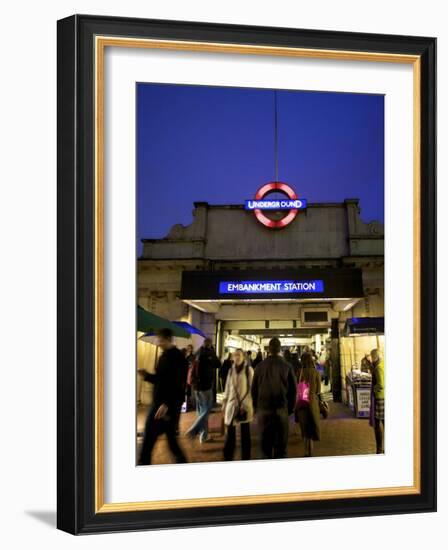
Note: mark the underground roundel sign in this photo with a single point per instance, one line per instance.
(288, 206)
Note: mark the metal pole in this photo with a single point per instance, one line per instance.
(275, 136)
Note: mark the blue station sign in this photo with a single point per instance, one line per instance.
(281, 204)
(284, 284)
(271, 287)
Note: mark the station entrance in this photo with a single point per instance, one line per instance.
(329, 329)
(297, 324)
(254, 336)
(304, 308)
(300, 325)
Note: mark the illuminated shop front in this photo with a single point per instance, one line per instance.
(359, 337)
(242, 281)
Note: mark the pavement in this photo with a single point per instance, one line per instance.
(341, 434)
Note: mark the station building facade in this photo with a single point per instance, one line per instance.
(234, 278)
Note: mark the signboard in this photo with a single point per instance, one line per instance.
(364, 325)
(272, 284)
(270, 287)
(275, 204)
(363, 402)
(291, 203)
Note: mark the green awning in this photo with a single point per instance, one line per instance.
(148, 322)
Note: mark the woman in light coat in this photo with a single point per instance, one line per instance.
(237, 406)
(309, 416)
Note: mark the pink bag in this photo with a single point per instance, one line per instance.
(303, 393)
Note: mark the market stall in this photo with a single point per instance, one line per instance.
(360, 336)
(358, 386)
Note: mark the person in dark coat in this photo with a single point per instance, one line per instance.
(366, 364)
(295, 363)
(308, 416)
(327, 371)
(169, 381)
(274, 396)
(224, 370)
(189, 356)
(258, 359)
(204, 386)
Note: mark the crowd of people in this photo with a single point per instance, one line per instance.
(270, 389)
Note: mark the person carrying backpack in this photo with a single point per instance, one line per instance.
(203, 382)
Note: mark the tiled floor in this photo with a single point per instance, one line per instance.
(342, 434)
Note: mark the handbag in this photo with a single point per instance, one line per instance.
(323, 408)
(240, 412)
(303, 393)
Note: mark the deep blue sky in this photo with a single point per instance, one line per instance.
(200, 143)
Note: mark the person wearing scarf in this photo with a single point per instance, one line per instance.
(238, 407)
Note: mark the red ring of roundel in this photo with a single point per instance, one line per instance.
(261, 193)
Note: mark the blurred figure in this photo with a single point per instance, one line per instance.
(224, 370)
(249, 357)
(295, 363)
(217, 366)
(307, 414)
(189, 356)
(274, 396)
(169, 382)
(366, 365)
(327, 370)
(203, 382)
(322, 355)
(258, 359)
(189, 353)
(287, 356)
(377, 400)
(237, 406)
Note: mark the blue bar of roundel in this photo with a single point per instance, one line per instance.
(252, 204)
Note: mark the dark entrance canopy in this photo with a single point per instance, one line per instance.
(271, 284)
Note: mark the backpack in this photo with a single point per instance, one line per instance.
(192, 376)
(303, 393)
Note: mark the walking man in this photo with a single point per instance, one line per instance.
(377, 400)
(169, 382)
(203, 380)
(274, 396)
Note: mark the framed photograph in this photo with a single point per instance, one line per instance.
(246, 274)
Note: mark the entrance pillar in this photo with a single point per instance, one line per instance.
(336, 382)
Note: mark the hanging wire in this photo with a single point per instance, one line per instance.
(275, 136)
